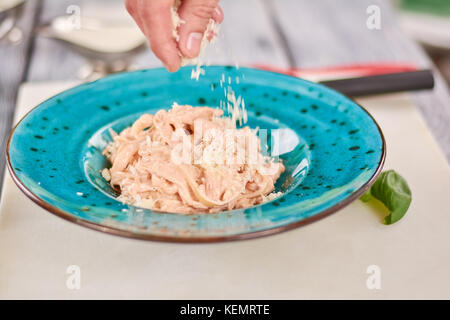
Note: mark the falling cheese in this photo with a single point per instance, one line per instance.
(209, 36)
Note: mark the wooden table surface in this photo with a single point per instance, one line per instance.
(283, 33)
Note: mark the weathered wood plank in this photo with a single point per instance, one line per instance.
(247, 36)
(330, 32)
(13, 64)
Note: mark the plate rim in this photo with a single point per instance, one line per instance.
(196, 239)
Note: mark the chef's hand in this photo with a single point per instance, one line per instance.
(154, 19)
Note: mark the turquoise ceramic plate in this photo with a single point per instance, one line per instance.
(332, 148)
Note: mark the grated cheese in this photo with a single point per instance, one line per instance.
(212, 30)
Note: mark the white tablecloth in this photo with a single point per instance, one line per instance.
(327, 259)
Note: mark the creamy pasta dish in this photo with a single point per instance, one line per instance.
(190, 160)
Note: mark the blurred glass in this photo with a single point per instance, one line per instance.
(101, 31)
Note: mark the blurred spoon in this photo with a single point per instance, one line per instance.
(10, 11)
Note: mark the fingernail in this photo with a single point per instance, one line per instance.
(170, 68)
(193, 43)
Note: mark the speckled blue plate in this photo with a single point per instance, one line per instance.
(332, 148)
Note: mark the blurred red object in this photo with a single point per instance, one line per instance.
(341, 72)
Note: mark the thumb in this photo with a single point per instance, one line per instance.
(196, 14)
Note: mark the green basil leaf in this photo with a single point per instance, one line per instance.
(366, 196)
(393, 191)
